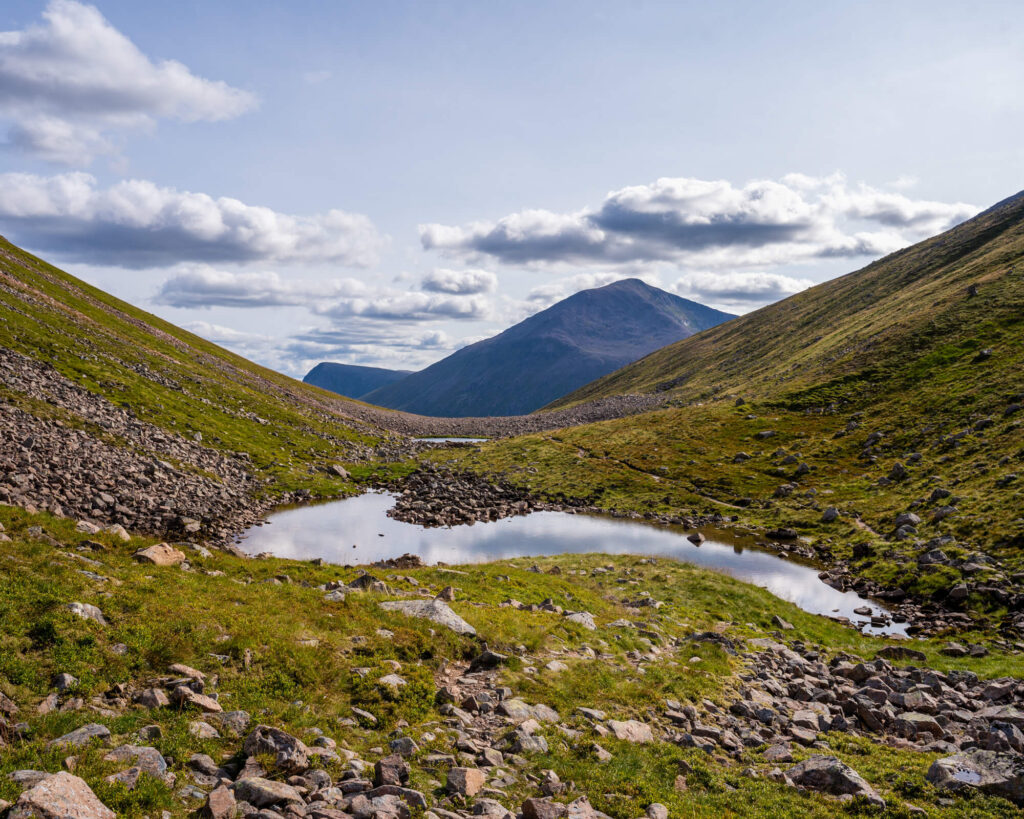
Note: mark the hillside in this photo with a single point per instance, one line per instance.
(351, 380)
(879, 418)
(551, 353)
(110, 413)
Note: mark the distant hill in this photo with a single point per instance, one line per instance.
(351, 380)
(558, 350)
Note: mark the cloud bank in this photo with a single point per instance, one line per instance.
(708, 223)
(139, 224)
(71, 82)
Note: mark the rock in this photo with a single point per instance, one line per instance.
(829, 775)
(160, 554)
(183, 670)
(183, 695)
(437, 611)
(290, 754)
(466, 781)
(83, 736)
(778, 622)
(61, 796)
(536, 808)
(830, 515)
(696, 538)
(656, 811)
(391, 770)
(446, 595)
(901, 653)
(954, 650)
(631, 731)
(151, 698)
(147, 759)
(392, 681)
(235, 722)
(779, 752)
(906, 519)
(486, 659)
(991, 772)
(87, 611)
(582, 618)
(556, 666)
(220, 804)
(338, 471)
(262, 793)
(203, 730)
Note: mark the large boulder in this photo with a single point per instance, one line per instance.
(290, 754)
(829, 775)
(61, 796)
(262, 793)
(160, 554)
(631, 731)
(437, 611)
(987, 771)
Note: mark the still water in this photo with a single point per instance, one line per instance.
(357, 531)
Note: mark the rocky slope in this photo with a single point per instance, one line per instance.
(551, 353)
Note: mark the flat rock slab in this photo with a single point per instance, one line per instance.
(631, 730)
(82, 736)
(830, 775)
(61, 796)
(986, 771)
(437, 611)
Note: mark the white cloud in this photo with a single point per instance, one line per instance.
(741, 290)
(460, 282)
(409, 306)
(544, 295)
(71, 80)
(204, 286)
(136, 223)
(705, 223)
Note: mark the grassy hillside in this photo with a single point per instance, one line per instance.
(287, 432)
(867, 394)
(272, 646)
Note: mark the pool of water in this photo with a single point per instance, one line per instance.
(357, 531)
(452, 440)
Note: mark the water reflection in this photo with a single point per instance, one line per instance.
(358, 531)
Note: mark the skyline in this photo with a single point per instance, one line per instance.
(382, 185)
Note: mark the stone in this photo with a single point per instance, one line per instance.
(779, 752)
(183, 670)
(203, 730)
(656, 810)
(83, 736)
(466, 781)
(582, 618)
(147, 759)
(631, 731)
(830, 515)
(234, 722)
(290, 753)
(556, 666)
(537, 808)
(87, 611)
(901, 653)
(437, 611)
(990, 772)
(262, 793)
(151, 698)
(65, 682)
(829, 775)
(183, 695)
(160, 554)
(778, 622)
(391, 770)
(61, 796)
(220, 804)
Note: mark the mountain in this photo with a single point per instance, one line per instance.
(351, 380)
(551, 353)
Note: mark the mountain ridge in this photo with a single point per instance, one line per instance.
(549, 353)
(351, 380)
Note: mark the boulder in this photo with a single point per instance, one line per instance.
(87, 611)
(990, 772)
(829, 775)
(391, 770)
(466, 781)
(61, 796)
(290, 754)
(631, 731)
(160, 554)
(437, 611)
(220, 804)
(81, 737)
(262, 793)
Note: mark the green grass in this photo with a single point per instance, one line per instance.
(304, 651)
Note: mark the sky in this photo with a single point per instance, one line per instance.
(383, 183)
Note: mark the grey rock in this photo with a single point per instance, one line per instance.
(437, 611)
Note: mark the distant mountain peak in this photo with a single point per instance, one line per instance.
(572, 342)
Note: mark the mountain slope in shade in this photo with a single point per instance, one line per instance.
(351, 380)
(551, 353)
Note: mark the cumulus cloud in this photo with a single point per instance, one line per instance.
(544, 295)
(219, 334)
(136, 223)
(460, 282)
(738, 289)
(68, 82)
(409, 306)
(708, 223)
(206, 286)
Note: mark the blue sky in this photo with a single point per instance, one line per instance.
(380, 183)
